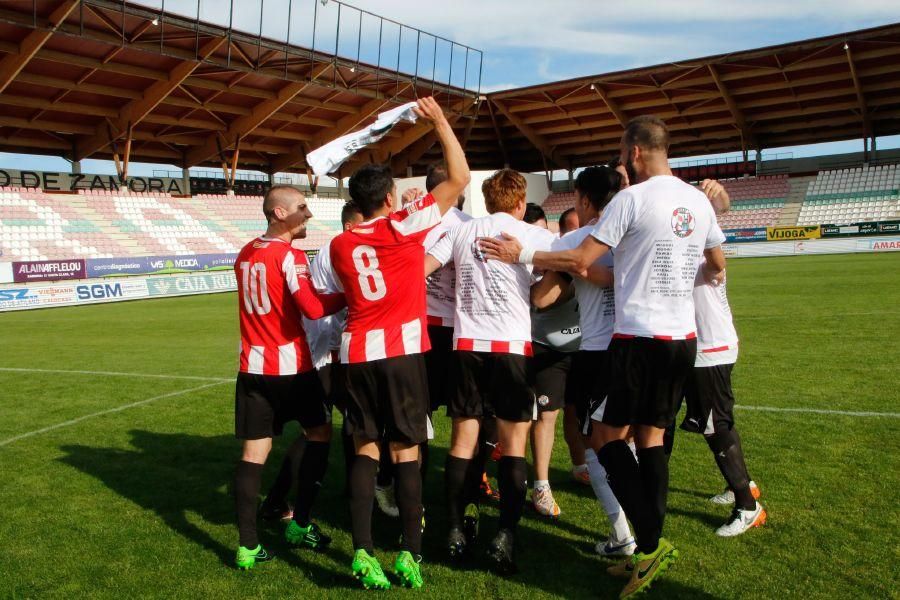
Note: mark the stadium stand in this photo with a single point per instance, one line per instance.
(39, 226)
(868, 193)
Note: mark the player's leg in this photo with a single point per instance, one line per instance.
(671, 363)
(406, 426)
(542, 435)
(276, 505)
(586, 392)
(384, 483)
(364, 423)
(549, 371)
(255, 424)
(312, 410)
(465, 407)
(575, 444)
(714, 385)
(515, 406)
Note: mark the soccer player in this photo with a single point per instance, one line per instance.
(324, 339)
(710, 405)
(660, 228)
(556, 335)
(276, 382)
(492, 339)
(380, 266)
(594, 188)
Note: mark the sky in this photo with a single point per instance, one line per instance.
(526, 42)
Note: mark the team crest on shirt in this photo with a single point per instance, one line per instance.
(477, 253)
(683, 222)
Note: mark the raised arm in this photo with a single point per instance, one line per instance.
(717, 194)
(447, 193)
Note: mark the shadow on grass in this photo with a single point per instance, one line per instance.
(176, 475)
(179, 475)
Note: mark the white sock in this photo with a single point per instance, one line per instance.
(618, 528)
(541, 483)
(579, 468)
(601, 487)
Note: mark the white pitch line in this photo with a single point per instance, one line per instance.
(108, 411)
(114, 374)
(820, 411)
(815, 316)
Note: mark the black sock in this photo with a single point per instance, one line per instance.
(246, 489)
(362, 498)
(281, 487)
(385, 467)
(669, 439)
(408, 491)
(654, 465)
(454, 480)
(726, 448)
(624, 478)
(472, 484)
(310, 474)
(513, 479)
(349, 457)
(423, 461)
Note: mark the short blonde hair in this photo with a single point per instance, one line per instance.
(503, 190)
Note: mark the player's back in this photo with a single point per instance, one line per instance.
(669, 225)
(492, 298)
(380, 264)
(272, 338)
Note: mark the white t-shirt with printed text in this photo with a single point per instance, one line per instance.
(659, 228)
(596, 305)
(717, 340)
(440, 298)
(493, 309)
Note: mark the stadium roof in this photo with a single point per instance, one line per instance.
(78, 76)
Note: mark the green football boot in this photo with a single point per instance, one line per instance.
(407, 569)
(368, 571)
(309, 537)
(246, 558)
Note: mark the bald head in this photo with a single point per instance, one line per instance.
(279, 196)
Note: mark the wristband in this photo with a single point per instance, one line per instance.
(526, 256)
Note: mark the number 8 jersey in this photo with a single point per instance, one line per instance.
(274, 290)
(380, 265)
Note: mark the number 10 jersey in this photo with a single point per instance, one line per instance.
(380, 264)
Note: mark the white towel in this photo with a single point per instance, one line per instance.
(329, 157)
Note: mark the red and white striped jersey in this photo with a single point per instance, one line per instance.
(274, 291)
(380, 264)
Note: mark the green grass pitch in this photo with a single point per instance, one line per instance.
(136, 502)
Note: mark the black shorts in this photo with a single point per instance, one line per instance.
(388, 399)
(648, 380)
(590, 383)
(549, 374)
(334, 382)
(264, 403)
(488, 383)
(710, 401)
(438, 362)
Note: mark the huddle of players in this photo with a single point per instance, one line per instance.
(630, 384)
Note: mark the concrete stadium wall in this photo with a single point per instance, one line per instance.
(537, 190)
